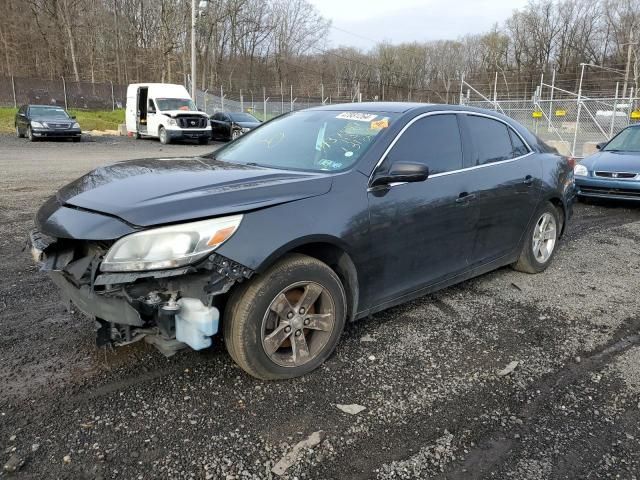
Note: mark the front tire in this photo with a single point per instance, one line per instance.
(541, 241)
(235, 134)
(164, 136)
(287, 321)
(18, 133)
(30, 135)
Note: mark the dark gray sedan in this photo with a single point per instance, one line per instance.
(46, 121)
(231, 125)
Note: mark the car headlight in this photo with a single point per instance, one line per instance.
(580, 171)
(172, 122)
(37, 124)
(75, 125)
(169, 247)
(245, 130)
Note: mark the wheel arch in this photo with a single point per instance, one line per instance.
(560, 206)
(331, 251)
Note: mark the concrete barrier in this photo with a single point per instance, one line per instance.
(563, 147)
(589, 148)
(122, 130)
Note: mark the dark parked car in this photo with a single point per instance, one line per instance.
(229, 126)
(316, 218)
(614, 171)
(46, 121)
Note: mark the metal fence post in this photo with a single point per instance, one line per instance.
(615, 110)
(575, 133)
(241, 101)
(630, 105)
(113, 98)
(264, 104)
(64, 89)
(13, 87)
(221, 98)
(553, 84)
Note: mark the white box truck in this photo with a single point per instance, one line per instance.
(165, 111)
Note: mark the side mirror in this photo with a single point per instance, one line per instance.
(402, 172)
(73, 117)
(601, 145)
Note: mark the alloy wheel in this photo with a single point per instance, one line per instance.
(544, 237)
(298, 324)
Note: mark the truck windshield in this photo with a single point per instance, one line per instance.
(175, 104)
(312, 140)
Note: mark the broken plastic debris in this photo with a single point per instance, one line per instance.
(352, 409)
(508, 369)
(290, 458)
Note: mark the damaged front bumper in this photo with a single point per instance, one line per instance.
(171, 309)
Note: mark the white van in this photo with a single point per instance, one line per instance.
(165, 111)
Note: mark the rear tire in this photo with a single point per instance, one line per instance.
(541, 241)
(287, 321)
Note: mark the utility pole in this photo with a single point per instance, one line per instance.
(626, 73)
(193, 49)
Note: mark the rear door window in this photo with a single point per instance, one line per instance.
(491, 140)
(433, 141)
(519, 148)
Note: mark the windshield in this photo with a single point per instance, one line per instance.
(243, 117)
(48, 112)
(310, 140)
(627, 140)
(175, 104)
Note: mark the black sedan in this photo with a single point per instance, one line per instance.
(314, 219)
(614, 171)
(229, 126)
(46, 121)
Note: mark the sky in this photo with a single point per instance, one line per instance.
(362, 23)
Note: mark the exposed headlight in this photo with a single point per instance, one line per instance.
(169, 247)
(580, 171)
(245, 130)
(37, 124)
(75, 125)
(172, 122)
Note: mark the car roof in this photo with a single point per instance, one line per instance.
(389, 107)
(45, 106)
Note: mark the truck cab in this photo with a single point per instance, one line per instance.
(165, 111)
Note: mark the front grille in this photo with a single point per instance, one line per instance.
(192, 121)
(622, 192)
(58, 125)
(618, 175)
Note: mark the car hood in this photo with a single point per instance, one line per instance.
(175, 113)
(248, 124)
(613, 162)
(159, 191)
(54, 120)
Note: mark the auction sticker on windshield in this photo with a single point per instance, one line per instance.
(361, 117)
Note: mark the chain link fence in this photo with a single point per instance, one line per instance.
(570, 122)
(573, 127)
(16, 91)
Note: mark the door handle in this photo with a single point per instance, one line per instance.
(528, 180)
(465, 197)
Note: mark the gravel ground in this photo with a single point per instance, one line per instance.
(428, 372)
